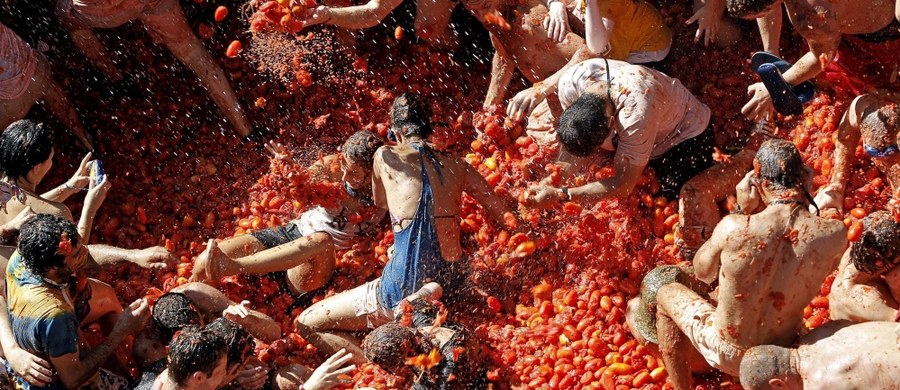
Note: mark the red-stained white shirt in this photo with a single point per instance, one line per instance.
(653, 112)
(17, 64)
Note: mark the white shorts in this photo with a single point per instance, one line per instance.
(643, 57)
(365, 303)
(697, 324)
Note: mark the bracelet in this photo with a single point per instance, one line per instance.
(68, 187)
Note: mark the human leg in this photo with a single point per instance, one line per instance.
(327, 323)
(12, 110)
(672, 301)
(170, 26)
(57, 102)
(86, 41)
(433, 22)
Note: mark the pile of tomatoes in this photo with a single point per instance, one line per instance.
(552, 296)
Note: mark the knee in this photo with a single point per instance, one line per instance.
(308, 322)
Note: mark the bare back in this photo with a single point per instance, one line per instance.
(38, 205)
(860, 356)
(400, 186)
(826, 20)
(772, 264)
(529, 46)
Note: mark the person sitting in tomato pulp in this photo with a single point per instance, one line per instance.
(874, 118)
(197, 361)
(867, 286)
(422, 189)
(44, 311)
(25, 78)
(450, 358)
(305, 248)
(837, 355)
(167, 24)
(823, 24)
(768, 266)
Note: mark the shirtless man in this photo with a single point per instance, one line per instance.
(834, 356)
(822, 23)
(768, 265)
(305, 248)
(25, 78)
(422, 190)
(867, 286)
(432, 22)
(167, 24)
(875, 118)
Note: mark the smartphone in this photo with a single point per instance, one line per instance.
(96, 172)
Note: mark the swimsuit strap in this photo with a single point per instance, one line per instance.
(426, 151)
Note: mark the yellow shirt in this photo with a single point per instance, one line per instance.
(637, 27)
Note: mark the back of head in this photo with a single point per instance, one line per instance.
(239, 342)
(172, 312)
(39, 242)
(411, 116)
(23, 145)
(583, 125)
(361, 147)
(388, 345)
(763, 363)
(194, 350)
(879, 246)
(882, 124)
(780, 164)
(746, 8)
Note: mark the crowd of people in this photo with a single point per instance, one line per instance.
(600, 96)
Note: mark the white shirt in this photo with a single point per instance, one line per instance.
(335, 223)
(652, 112)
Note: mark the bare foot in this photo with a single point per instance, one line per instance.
(210, 265)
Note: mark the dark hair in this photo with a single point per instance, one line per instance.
(879, 244)
(762, 363)
(23, 145)
(744, 8)
(883, 122)
(172, 312)
(411, 116)
(194, 350)
(389, 345)
(583, 125)
(780, 164)
(39, 242)
(236, 338)
(361, 146)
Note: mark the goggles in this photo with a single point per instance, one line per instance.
(887, 151)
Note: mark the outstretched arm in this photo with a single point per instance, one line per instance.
(502, 70)
(478, 188)
(848, 135)
(857, 296)
(355, 17)
(521, 105)
(213, 303)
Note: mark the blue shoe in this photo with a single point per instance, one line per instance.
(787, 99)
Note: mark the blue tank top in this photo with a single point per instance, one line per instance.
(417, 251)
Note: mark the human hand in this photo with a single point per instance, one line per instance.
(829, 197)
(708, 17)
(20, 218)
(81, 178)
(328, 375)
(97, 192)
(319, 15)
(133, 318)
(236, 312)
(521, 105)
(760, 105)
(33, 369)
(279, 151)
(154, 257)
(252, 376)
(748, 197)
(557, 21)
(542, 196)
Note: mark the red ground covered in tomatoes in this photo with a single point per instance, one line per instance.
(554, 299)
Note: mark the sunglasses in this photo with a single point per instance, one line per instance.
(887, 151)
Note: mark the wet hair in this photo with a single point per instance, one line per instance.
(879, 245)
(172, 312)
(763, 363)
(584, 125)
(361, 146)
(39, 242)
(744, 8)
(883, 122)
(236, 338)
(23, 145)
(389, 345)
(780, 164)
(194, 350)
(411, 116)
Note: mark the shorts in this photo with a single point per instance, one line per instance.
(697, 324)
(276, 236)
(365, 304)
(684, 161)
